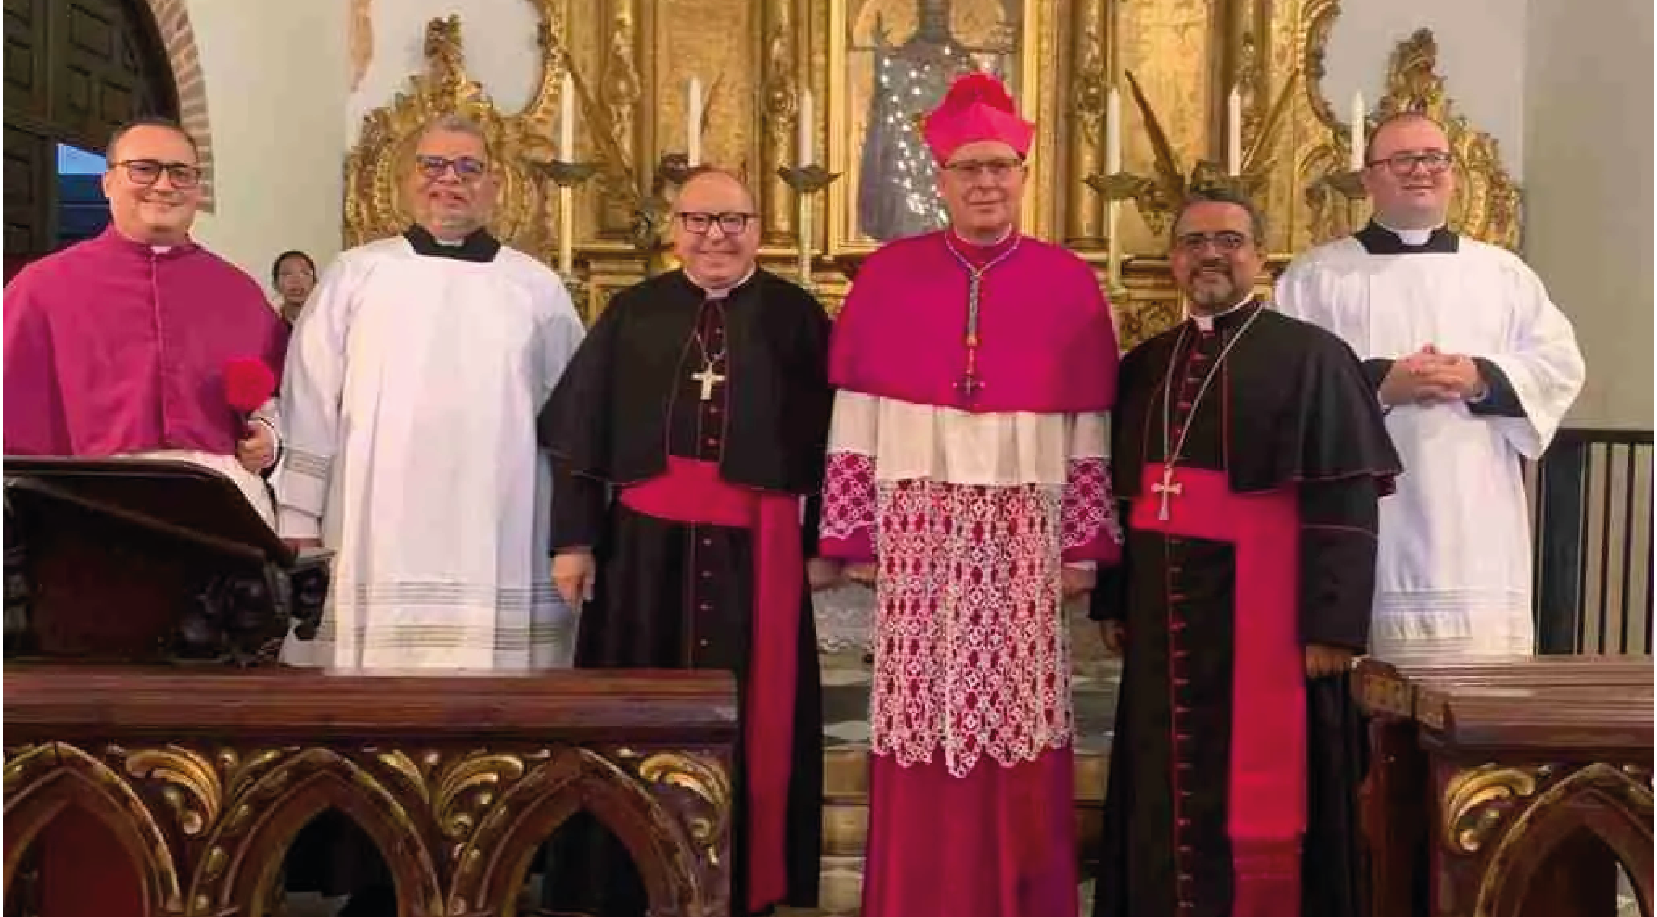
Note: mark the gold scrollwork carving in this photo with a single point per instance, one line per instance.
(192, 789)
(703, 778)
(466, 788)
(33, 769)
(1475, 801)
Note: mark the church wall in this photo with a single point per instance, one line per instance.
(276, 80)
(1588, 192)
(1481, 54)
(498, 37)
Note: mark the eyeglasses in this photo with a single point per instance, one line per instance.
(1434, 161)
(731, 223)
(435, 167)
(1226, 241)
(998, 169)
(148, 171)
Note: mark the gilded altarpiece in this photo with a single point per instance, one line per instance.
(873, 66)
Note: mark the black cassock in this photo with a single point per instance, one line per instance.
(671, 594)
(1288, 439)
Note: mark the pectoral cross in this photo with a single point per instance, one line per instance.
(1166, 488)
(708, 379)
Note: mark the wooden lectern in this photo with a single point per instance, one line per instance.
(138, 560)
(175, 790)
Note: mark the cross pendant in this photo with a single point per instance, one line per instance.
(708, 379)
(1166, 488)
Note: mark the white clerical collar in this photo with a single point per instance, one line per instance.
(1411, 236)
(724, 291)
(1206, 322)
(161, 249)
(1005, 235)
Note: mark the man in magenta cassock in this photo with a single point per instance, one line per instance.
(966, 482)
(118, 346)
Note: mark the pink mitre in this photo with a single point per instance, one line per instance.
(977, 107)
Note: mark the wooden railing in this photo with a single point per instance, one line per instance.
(1592, 523)
(205, 776)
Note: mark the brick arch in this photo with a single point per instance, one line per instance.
(172, 22)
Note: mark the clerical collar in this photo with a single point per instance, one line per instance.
(1224, 318)
(980, 253)
(114, 237)
(724, 291)
(1381, 240)
(478, 246)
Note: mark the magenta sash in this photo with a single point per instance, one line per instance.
(692, 492)
(1267, 806)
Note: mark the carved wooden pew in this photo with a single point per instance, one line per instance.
(1496, 787)
(205, 776)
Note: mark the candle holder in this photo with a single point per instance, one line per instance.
(568, 176)
(806, 181)
(651, 215)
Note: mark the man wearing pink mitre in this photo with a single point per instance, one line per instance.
(967, 484)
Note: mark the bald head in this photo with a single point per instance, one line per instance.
(708, 183)
(715, 229)
(1414, 121)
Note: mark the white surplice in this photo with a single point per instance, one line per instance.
(409, 406)
(1453, 575)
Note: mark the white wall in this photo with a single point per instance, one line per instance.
(276, 78)
(1481, 55)
(497, 38)
(1588, 191)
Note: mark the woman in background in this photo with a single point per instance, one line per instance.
(293, 274)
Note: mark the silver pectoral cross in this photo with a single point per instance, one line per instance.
(1166, 488)
(708, 379)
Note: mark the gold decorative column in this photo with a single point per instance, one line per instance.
(779, 107)
(1091, 80)
(619, 92)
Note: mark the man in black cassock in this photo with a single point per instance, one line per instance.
(1250, 456)
(685, 435)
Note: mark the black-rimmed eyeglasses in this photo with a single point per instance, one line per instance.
(435, 167)
(148, 172)
(729, 223)
(1434, 161)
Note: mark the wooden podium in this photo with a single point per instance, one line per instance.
(1508, 787)
(146, 719)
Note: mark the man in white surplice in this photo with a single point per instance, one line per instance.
(1475, 368)
(413, 382)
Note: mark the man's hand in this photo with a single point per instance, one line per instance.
(1416, 379)
(1115, 635)
(1323, 661)
(572, 575)
(1074, 581)
(1457, 375)
(822, 573)
(863, 574)
(257, 450)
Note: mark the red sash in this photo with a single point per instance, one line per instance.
(692, 492)
(1267, 811)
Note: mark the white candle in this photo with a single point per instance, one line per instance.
(1355, 137)
(566, 121)
(808, 126)
(1234, 133)
(1113, 132)
(693, 122)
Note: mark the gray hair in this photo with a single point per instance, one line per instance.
(1211, 195)
(455, 123)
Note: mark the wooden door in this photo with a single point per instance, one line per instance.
(74, 70)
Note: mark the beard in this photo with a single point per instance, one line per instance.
(1213, 291)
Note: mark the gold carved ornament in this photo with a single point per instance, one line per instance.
(36, 769)
(1476, 800)
(1627, 789)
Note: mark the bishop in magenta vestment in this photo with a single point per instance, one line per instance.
(967, 460)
